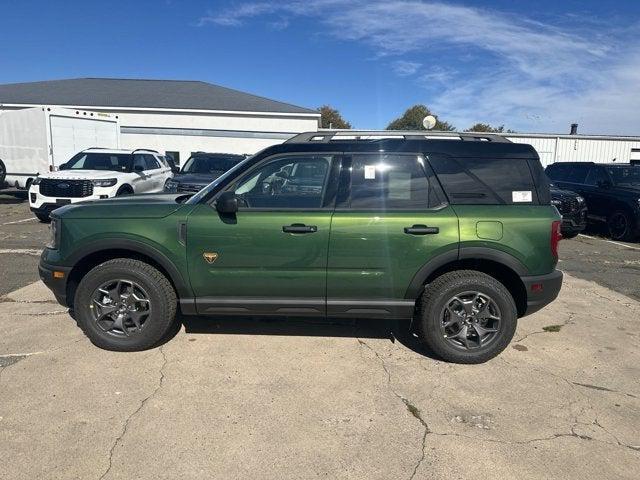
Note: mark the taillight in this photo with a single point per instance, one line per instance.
(556, 236)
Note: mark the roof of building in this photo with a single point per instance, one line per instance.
(134, 93)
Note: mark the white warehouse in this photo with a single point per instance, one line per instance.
(171, 116)
(580, 148)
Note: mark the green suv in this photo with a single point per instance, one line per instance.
(455, 232)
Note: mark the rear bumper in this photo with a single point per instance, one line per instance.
(542, 290)
(57, 285)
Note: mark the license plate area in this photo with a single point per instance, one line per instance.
(62, 201)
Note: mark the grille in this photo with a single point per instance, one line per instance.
(189, 187)
(66, 188)
(569, 205)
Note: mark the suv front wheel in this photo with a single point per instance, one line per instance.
(466, 316)
(125, 305)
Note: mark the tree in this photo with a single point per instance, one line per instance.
(485, 127)
(412, 118)
(331, 118)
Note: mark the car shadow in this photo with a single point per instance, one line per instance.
(12, 197)
(392, 330)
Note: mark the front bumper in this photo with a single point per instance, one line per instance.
(542, 290)
(574, 222)
(57, 285)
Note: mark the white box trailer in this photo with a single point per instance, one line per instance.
(38, 140)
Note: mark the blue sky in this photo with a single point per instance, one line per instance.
(533, 66)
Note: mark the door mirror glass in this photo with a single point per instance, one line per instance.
(227, 202)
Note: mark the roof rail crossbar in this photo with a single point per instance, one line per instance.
(326, 136)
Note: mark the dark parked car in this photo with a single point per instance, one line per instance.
(573, 209)
(612, 193)
(200, 170)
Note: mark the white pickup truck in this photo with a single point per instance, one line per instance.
(38, 140)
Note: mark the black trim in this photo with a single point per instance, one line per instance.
(495, 255)
(106, 244)
(260, 306)
(57, 285)
(551, 285)
(419, 279)
(390, 308)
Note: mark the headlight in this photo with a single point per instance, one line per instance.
(556, 202)
(108, 182)
(580, 199)
(54, 233)
(171, 186)
(36, 181)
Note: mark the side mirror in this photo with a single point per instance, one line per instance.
(62, 166)
(138, 168)
(227, 202)
(175, 170)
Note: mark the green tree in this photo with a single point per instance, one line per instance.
(485, 127)
(331, 118)
(412, 118)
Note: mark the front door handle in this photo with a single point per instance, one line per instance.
(421, 230)
(299, 228)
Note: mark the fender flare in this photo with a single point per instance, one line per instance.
(104, 245)
(463, 253)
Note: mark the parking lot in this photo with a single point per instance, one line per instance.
(248, 398)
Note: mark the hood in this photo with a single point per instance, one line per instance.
(197, 178)
(153, 205)
(629, 189)
(557, 192)
(81, 174)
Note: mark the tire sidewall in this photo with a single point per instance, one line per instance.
(627, 233)
(155, 325)
(497, 292)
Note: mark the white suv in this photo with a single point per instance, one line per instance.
(98, 173)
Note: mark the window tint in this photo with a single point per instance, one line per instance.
(138, 161)
(151, 162)
(100, 161)
(388, 182)
(596, 176)
(558, 171)
(625, 175)
(211, 164)
(290, 182)
(578, 173)
(485, 181)
(174, 156)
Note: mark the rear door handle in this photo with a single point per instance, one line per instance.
(421, 230)
(299, 228)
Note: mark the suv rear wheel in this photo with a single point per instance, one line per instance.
(125, 305)
(620, 226)
(466, 316)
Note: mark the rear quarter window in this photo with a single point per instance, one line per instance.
(486, 181)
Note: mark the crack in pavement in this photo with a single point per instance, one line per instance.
(407, 403)
(135, 412)
(568, 321)
(604, 389)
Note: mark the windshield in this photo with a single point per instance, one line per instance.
(117, 162)
(210, 164)
(625, 175)
(221, 179)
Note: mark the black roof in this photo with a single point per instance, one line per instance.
(460, 148)
(120, 92)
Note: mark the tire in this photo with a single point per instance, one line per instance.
(569, 236)
(124, 190)
(43, 217)
(146, 292)
(620, 226)
(3, 173)
(433, 314)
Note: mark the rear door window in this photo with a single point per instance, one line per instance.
(151, 162)
(485, 181)
(389, 182)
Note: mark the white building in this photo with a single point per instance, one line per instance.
(171, 116)
(580, 148)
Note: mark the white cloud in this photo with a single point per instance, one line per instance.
(517, 71)
(404, 68)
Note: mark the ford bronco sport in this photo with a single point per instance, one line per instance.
(457, 234)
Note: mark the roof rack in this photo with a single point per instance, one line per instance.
(144, 150)
(326, 136)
